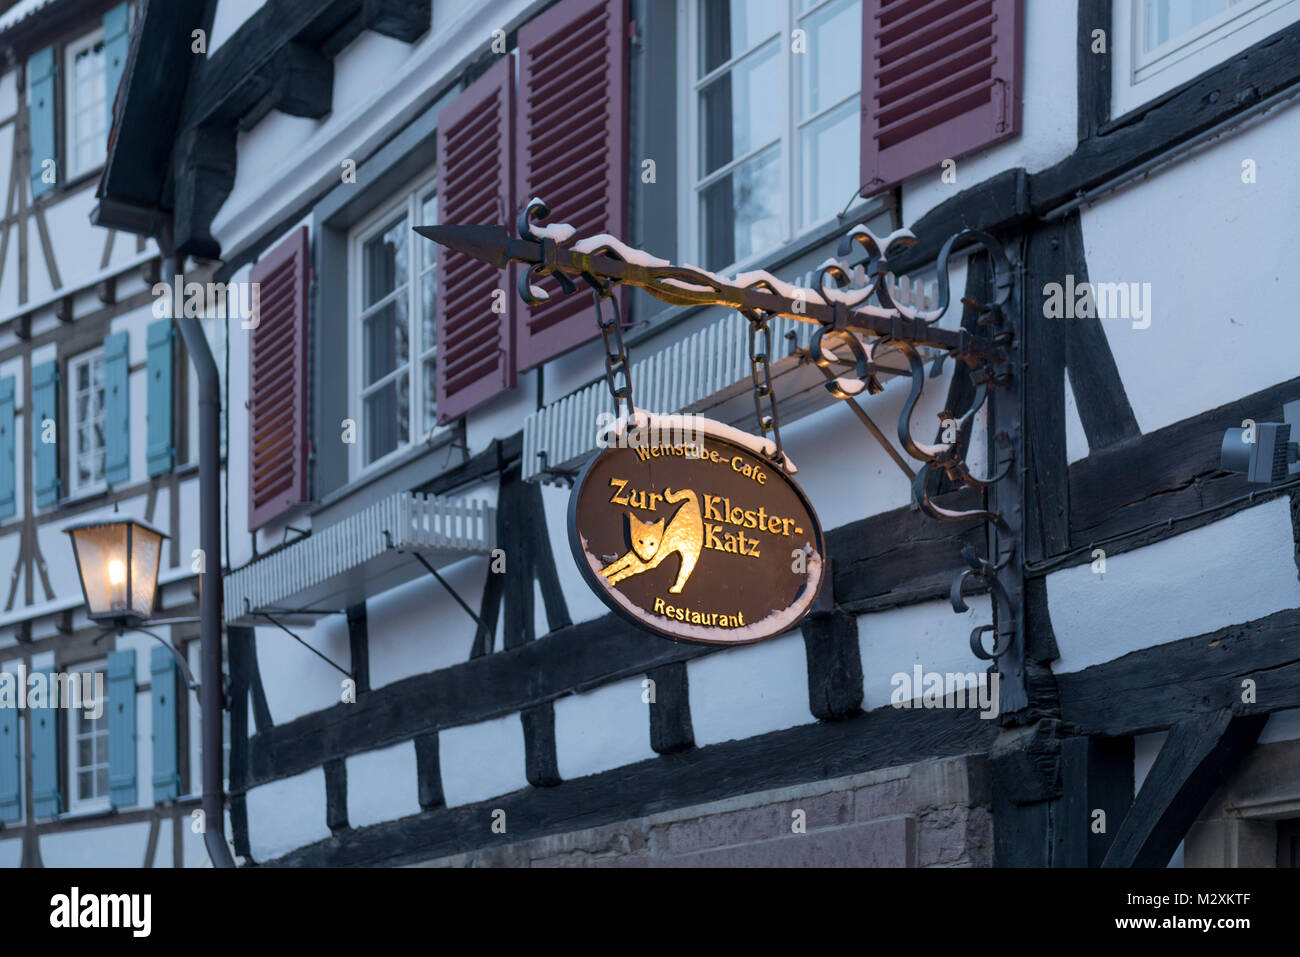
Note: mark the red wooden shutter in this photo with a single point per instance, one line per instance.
(573, 92)
(475, 357)
(940, 79)
(277, 383)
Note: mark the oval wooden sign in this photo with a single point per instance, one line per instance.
(694, 535)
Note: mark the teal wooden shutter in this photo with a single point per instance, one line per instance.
(8, 476)
(46, 799)
(162, 454)
(162, 684)
(40, 83)
(121, 727)
(117, 40)
(45, 406)
(11, 744)
(117, 410)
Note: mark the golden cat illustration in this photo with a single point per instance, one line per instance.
(652, 542)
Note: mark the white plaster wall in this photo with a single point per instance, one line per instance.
(602, 729)
(1222, 294)
(749, 690)
(286, 814)
(163, 853)
(582, 602)
(11, 851)
(418, 627)
(383, 785)
(296, 681)
(1076, 440)
(229, 17)
(120, 846)
(1049, 123)
(1282, 726)
(483, 760)
(928, 634)
(1236, 569)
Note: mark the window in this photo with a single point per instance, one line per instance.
(772, 136)
(87, 104)
(1160, 44)
(86, 412)
(88, 747)
(393, 308)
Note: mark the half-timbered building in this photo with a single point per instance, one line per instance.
(418, 671)
(95, 412)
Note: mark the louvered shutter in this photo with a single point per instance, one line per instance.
(8, 474)
(277, 383)
(160, 450)
(476, 356)
(940, 79)
(162, 689)
(40, 86)
(11, 741)
(121, 727)
(45, 409)
(573, 93)
(47, 800)
(117, 410)
(117, 40)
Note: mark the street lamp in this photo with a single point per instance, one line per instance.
(117, 560)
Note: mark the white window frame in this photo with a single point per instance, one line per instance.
(409, 205)
(103, 801)
(1138, 77)
(70, 53)
(75, 487)
(789, 143)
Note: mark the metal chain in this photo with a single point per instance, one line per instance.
(617, 363)
(760, 352)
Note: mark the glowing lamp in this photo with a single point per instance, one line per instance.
(117, 560)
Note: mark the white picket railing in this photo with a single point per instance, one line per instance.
(366, 544)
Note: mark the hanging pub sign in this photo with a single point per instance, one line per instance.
(689, 528)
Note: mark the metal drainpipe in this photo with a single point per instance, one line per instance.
(210, 689)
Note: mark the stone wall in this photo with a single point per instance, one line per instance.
(930, 814)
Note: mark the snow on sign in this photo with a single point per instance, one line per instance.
(689, 528)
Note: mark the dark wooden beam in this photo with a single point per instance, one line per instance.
(670, 709)
(998, 203)
(205, 175)
(884, 738)
(298, 82)
(590, 653)
(1197, 757)
(834, 665)
(1093, 67)
(359, 644)
(1270, 66)
(398, 19)
(1159, 687)
(1166, 474)
(1096, 776)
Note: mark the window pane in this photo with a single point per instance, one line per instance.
(741, 110)
(730, 27)
(428, 302)
(740, 213)
(832, 67)
(1168, 19)
(101, 749)
(430, 394)
(384, 262)
(101, 782)
(830, 162)
(85, 752)
(428, 216)
(387, 421)
(385, 333)
(86, 784)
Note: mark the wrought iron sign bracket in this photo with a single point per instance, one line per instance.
(857, 320)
